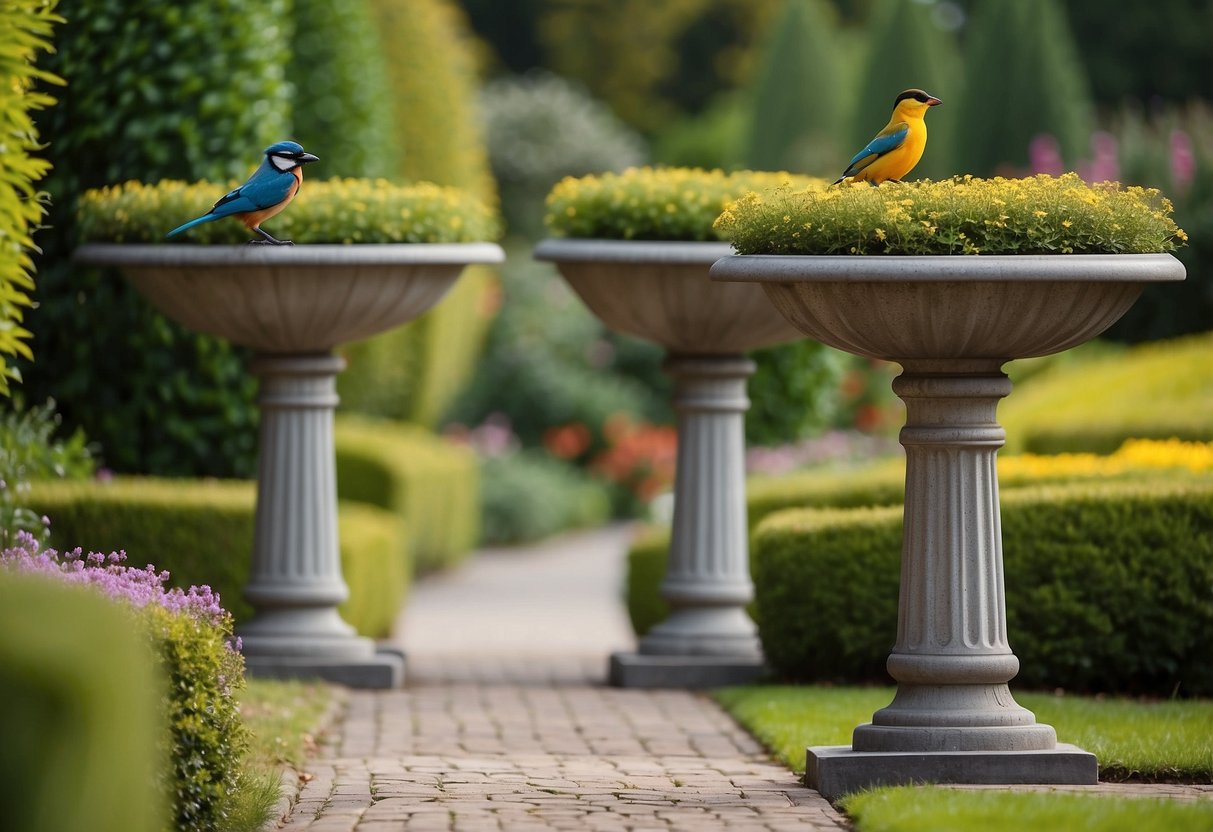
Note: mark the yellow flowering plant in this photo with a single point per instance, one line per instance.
(329, 211)
(657, 203)
(964, 215)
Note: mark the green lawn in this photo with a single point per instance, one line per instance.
(282, 718)
(1152, 741)
(934, 809)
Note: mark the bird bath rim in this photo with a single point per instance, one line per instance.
(170, 255)
(603, 250)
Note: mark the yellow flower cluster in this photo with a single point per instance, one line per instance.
(965, 215)
(1133, 455)
(656, 203)
(329, 211)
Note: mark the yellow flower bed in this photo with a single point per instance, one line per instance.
(1133, 455)
(1038, 215)
(656, 203)
(328, 211)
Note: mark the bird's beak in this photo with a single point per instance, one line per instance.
(304, 158)
(932, 101)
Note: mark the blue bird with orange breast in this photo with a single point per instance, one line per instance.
(270, 189)
(898, 147)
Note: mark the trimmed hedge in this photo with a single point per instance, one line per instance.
(79, 711)
(1157, 390)
(202, 533)
(529, 495)
(1108, 588)
(428, 482)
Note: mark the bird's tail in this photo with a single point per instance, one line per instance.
(191, 224)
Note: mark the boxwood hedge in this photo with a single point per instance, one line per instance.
(1108, 587)
(202, 533)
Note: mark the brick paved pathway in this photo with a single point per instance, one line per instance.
(505, 724)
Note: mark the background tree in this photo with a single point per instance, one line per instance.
(797, 96)
(1023, 79)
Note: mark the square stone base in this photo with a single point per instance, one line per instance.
(835, 770)
(382, 671)
(637, 670)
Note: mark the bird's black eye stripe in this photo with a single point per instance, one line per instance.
(918, 95)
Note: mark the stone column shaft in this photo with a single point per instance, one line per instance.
(296, 583)
(952, 661)
(707, 581)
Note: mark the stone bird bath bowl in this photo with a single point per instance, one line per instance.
(951, 322)
(293, 305)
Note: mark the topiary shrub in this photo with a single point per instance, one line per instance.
(25, 30)
(185, 89)
(1091, 606)
(202, 533)
(1038, 215)
(427, 482)
(79, 693)
(648, 557)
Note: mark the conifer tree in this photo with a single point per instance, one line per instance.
(908, 49)
(1023, 79)
(795, 118)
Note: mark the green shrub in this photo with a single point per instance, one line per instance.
(25, 30)
(1090, 603)
(333, 211)
(656, 203)
(340, 79)
(1156, 390)
(648, 557)
(202, 533)
(427, 482)
(1039, 215)
(155, 90)
(79, 713)
(528, 495)
(378, 584)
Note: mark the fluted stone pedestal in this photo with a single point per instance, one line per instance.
(952, 661)
(708, 638)
(295, 584)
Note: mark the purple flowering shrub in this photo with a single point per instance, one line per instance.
(192, 637)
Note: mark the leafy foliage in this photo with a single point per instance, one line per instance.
(29, 452)
(25, 30)
(797, 97)
(1038, 215)
(335, 211)
(155, 90)
(1090, 605)
(656, 203)
(340, 75)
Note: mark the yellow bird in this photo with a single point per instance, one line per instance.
(898, 147)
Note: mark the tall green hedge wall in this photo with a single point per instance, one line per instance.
(188, 90)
